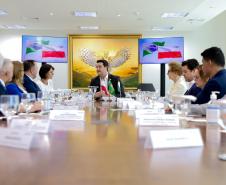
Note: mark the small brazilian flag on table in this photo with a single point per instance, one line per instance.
(111, 89)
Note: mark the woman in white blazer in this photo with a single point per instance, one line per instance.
(179, 85)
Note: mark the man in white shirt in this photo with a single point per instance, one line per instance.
(107, 83)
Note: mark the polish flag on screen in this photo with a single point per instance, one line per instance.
(169, 54)
(53, 54)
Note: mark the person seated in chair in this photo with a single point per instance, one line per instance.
(213, 67)
(188, 69)
(30, 73)
(107, 83)
(6, 74)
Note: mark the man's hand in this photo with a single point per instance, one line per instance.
(99, 94)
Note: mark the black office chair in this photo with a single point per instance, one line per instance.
(146, 87)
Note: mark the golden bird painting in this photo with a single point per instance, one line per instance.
(121, 53)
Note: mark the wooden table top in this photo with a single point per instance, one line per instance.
(110, 150)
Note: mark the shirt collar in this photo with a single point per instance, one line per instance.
(105, 78)
(191, 83)
(2, 82)
(30, 78)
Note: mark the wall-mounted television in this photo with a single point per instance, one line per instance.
(161, 50)
(45, 49)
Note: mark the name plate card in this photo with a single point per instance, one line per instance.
(69, 126)
(177, 138)
(141, 112)
(67, 115)
(16, 138)
(159, 120)
(39, 126)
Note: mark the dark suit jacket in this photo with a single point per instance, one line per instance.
(114, 80)
(30, 85)
(216, 83)
(194, 90)
(2, 89)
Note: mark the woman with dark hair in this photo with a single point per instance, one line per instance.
(200, 77)
(46, 73)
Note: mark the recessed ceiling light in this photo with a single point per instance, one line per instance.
(35, 18)
(89, 27)
(196, 20)
(3, 12)
(13, 27)
(85, 14)
(118, 15)
(162, 28)
(51, 14)
(174, 15)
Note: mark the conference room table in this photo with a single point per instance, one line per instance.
(109, 149)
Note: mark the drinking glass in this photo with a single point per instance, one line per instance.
(40, 95)
(93, 90)
(27, 100)
(9, 105)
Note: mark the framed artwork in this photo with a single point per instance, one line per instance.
(121, 51)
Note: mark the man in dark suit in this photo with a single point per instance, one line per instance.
(213, 66)
(6, 73)
(30, 73)
(188, 68)
(107, 83)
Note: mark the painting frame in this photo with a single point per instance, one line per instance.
(73, 53)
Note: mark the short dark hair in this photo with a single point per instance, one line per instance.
(28, 64)
(44, 69)
(191, 63)
(104, 62)
(214, 54)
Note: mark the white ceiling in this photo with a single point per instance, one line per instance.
(35, 14)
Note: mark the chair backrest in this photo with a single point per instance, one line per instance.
(146, 87)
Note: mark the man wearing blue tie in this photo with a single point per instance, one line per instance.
(188, 68)
(30, 73)
(213, 66)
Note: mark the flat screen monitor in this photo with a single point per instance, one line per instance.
(45, 49)
(161, 50)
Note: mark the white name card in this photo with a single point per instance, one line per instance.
(141, 112)
(39, 126)
(16, 138)
(177, 138)
(67, 115)
(68, 126)
(159, 120)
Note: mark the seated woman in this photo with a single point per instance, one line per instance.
(15, 87)
(179, 85)
(200, 78)
(46, 73)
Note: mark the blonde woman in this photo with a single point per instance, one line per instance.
(179, 85)
(15, 87)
